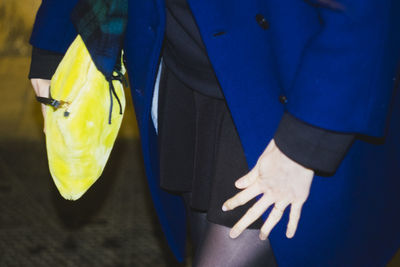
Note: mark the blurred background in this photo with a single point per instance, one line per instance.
(113, 224)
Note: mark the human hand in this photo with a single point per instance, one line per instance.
(282, 182)
(41, 87)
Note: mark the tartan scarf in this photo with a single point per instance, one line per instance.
(102, 24)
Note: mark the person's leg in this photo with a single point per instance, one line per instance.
(197, 221)
(218, 249)
(197, 228)
(213, 247)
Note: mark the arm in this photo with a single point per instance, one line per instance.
(344, 84)
(43, 65)
(52, 33)
(346, 76)
(312, 147)
(53, 29)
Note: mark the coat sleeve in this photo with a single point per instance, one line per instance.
(345, 80)
(44, 63)
(312, 147)
(53, 29)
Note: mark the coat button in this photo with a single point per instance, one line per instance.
(283, 99)
(262, 21)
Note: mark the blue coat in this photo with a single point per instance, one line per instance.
(337, 69)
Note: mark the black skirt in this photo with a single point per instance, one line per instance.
(199, 149)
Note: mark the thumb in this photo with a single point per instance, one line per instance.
(44, 117)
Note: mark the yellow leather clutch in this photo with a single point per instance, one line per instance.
(83, 121)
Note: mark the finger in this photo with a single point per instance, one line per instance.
(44, 118)
(273, 218)
(242, 197)
(247, 179)
(251, 216)
(43, 110)
(294, 217)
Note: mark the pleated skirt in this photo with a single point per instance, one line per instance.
(199, 149)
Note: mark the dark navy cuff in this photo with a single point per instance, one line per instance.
(44, 63)
(314, 148)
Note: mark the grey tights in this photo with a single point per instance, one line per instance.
(213, 247)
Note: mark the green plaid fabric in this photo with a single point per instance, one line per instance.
(102, 24)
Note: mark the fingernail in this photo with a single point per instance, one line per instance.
(233, 234)
(224, 208)
(239, 183)
(289, 235)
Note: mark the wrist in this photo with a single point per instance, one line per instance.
(41, 87)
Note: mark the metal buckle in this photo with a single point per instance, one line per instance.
(63, 104)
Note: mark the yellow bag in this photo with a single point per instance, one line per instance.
(79, 131)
